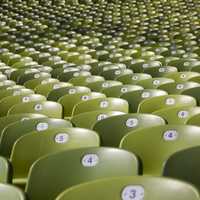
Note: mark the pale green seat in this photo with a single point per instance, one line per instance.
(117, 91)
(56, 94)
(14, 131)
(178, 88)
(7, 102)
(133, 187)
(155, 145)
(182, 76)
(111, 130)
(133, 78)
(104, 104)
(50, 142)
(69, 101)
(48, 108)
(7, 83)
(134, 98)
(184, 165)
(88, 119)
(46, 88)
(178, 114)
(160, 102)
(75, 167)
(10, 192)
(5, 171)
(154, 83)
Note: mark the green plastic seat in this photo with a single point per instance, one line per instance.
(194, 92)
(160, 102)
(82, 165)
(5, 171)
(48, 108)
(194, 120)
(10, 192)
(56, 94)
(88, 119)
(182, 76)
(111, 130)
(117, 91)
(46, 88)
(51, 141)
(111, 104)
(133, 78)
(5, 84)
(155, 145)
(178, 88)
(14, 131)
(154, 83)
(7, 102)
(68, 101)
(134, 98)
(184, 165)
(134, 187)
(178, 114)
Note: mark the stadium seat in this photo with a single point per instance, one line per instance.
(5, 171)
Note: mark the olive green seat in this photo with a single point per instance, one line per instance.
(15, 91)
(117, 91)
(14, 131)
(178, 114)
(133, 187)
(48, 108)
(46, 88)
(160, 102)
(194, 92)
(182, 76)
(5, 171)
(50, 141)
(184, 165)
(56, 94)
(88, 119)
(56, 72)
(100, 85)
(111, 130)
(133, 78)
(178, 88)
(134, 98)
(68, 101)
(75, 167)
(7, 102)
(155, 145)
(10, 192)
(104, 104)
(154, 83)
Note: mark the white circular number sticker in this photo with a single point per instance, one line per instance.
(124, 90)
(145, 94)
(61, 138)
(85, 98)
(170, 135)
(117, 72)
(156, 82)
(103, 104)
(179, 86)
(42, 126)
(132, 122)
(170, 101)
(101, 116)
(183, 114)
(38, 107)
(105, 85)
(72, 91)
(37, 76)
(25, 99)
(135, 78)
(90, 160)
(182, 75)
(133, 192)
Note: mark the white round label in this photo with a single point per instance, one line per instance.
(72, 91)
(183, 114)
(25, 99)
(104, 104)
(135, 78)
(132, 122)
(170, 135)
(42, 126)
(38, 107)
(85, 98)
(101, 116)
(170, 101)
(156, 82)
(182, 75)
(90, 160)
(179, 86)
(145, 94)
(117, 72)
(105, 85)
(37, 76)
(124, 90)
(61, 138)
(133, 192)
